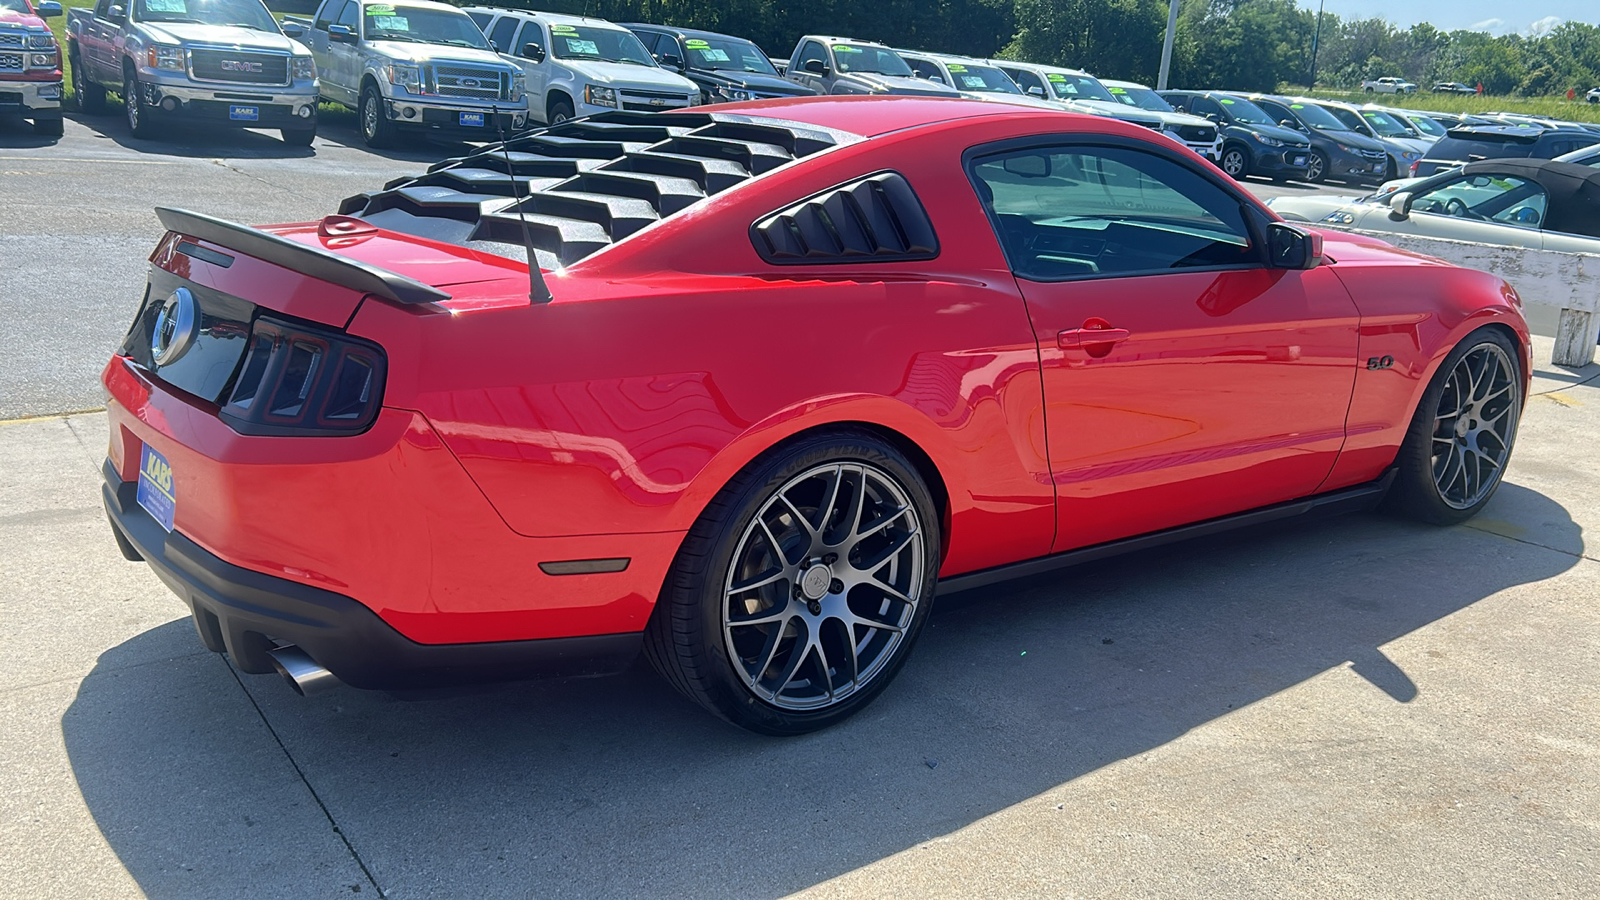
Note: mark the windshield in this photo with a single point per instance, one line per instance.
(726, 53)
(1349, 118)
(598, 44)
(16, 6)
(1077, 87)
(1425, 125)
(244, 13)
(1384, 124)
(1315, 116)
(861, 58)
(981, 79)
(1245, 111)
(420, 25)
(1141, 97)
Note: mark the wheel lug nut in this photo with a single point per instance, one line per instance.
(830, 558)
(815, 607)
(836, 586)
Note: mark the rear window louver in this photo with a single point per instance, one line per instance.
(876, 218)
(587, 183)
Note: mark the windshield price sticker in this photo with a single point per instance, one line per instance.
(380, 9)
(845, 48)
(696, 44)
(712, 55)
(563, 29)
(167, 6)
(392, 23)
(582, 48)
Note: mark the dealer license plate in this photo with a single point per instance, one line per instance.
(157, 493)
(244, 113)
(1299, 160)
(472, 119)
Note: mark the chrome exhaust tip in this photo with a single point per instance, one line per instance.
(302, 672)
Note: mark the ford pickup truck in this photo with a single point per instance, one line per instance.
(221, 62)
(30, 65)
(413, 65)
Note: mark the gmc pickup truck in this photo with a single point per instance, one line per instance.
(414, 65)
(223, 62)
(30, 65)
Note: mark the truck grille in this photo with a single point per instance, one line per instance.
(1197, 134)
(10, 39)
(238, 66)
(11, 62)
(646, 101)
(471, 83)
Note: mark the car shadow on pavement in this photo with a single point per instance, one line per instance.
(617, 787)
(18, 133)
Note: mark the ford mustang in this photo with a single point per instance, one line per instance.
(741, 388)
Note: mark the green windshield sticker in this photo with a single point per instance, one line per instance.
(696, 44)
(376, 9)
(169, 6)
(563, 29)
(956, 67)
(1054, 77)
(1227, 102)
(1116, 90)
(391, 23)
(1297, 106)
(845, 48)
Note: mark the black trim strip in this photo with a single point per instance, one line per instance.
(316, 262)
(585, 566)
(1353, 499)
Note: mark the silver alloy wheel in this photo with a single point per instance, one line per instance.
(1474, 426)
(369, 117)
(130, 99)
(823, 584)
(558, 117)
(1233, 163)
(1314, 167)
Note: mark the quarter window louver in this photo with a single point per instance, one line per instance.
(877, 218)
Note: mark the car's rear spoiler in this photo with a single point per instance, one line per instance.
(313, 261)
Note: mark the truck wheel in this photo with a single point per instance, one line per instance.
(138, 116)
(91, 96)
(299, 137)
(560, 111)
(376, 129)
(51, 127)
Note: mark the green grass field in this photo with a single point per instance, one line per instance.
(1556, 107)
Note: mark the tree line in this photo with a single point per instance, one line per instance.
(1236, 44)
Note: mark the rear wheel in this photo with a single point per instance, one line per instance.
(91, 96)
(796, 598)
(1460, 439)
(1235, 162)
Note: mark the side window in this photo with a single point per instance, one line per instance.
(1205, 106)
(1276, 112)
(326, 18)
(1179, 102)
(1076, 212)
(925, 69)
(481, 19)
(1486, 198)
(500, 35)
(650, 39)
(350, 15)
(812, 50)
(532, 33)
(1027, 81)
(101, 7)
(1349, 119)
(670, 47)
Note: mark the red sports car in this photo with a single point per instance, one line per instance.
(783, 370)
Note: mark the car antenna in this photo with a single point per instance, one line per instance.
(538, 291)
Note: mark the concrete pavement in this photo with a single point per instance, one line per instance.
(1355, 708)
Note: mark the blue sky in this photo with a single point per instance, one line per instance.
(1494, 16)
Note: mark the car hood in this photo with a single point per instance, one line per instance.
(239, 38)
(20, 19)
(1406, 145)
(1115, 110)
(894, 84)
(754, 81)
(1182, 119)
(402, 51)
(626, 75)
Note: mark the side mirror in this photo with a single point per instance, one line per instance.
(1400, 205)
(1292, 248)
(1291, 125)
(293, 30)
(117, 13)
(47, 9)
(815, 67)
(341, 34)
(533, 52)
(671, 61)
(1036, 91)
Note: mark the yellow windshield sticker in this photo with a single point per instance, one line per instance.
(563, 29)
(956, 67)
(1054, 77)
(845, 48)
(696, 44)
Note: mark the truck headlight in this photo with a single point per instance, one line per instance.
(594, 95)
(408, 77)
(160, 56)
(303, 68)
(732, 94)
(41, 42)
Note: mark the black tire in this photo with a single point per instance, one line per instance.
(690, 640)
(376, 129)
(1235, 161)
(1416, 492)
(1316, 167)
(138, 114)
(52, 127)
(91, 96)
(299, 137)
(560, 111)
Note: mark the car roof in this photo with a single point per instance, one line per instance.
(1037, 67)
(1111, 82)
(549, 17)
(685, 32)
(834, 39)
(1572, 191)
(424, 4)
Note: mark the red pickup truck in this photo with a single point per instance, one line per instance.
(30, 64)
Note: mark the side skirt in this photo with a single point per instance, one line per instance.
(1355, 499)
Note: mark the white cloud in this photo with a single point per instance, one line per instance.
(1490, 25)
(1544, 26)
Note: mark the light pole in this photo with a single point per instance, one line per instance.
(1166, 46)
(1316, 36)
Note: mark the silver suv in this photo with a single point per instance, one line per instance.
(577, 66)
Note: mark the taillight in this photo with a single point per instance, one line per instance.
(1414, 168)
(298, 380)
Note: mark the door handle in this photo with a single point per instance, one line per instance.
(1091, 336)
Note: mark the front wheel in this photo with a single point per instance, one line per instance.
(560, 111)
(1316, 168)
(138, 116)
(376, 129)
(1460, 439)
(797, 597)
(1235, 162)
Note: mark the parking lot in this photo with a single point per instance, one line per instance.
(1359, 707)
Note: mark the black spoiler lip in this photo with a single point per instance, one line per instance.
(314, 261)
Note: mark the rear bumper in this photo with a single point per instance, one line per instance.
(246, 613)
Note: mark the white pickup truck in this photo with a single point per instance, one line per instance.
(1388, 86)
